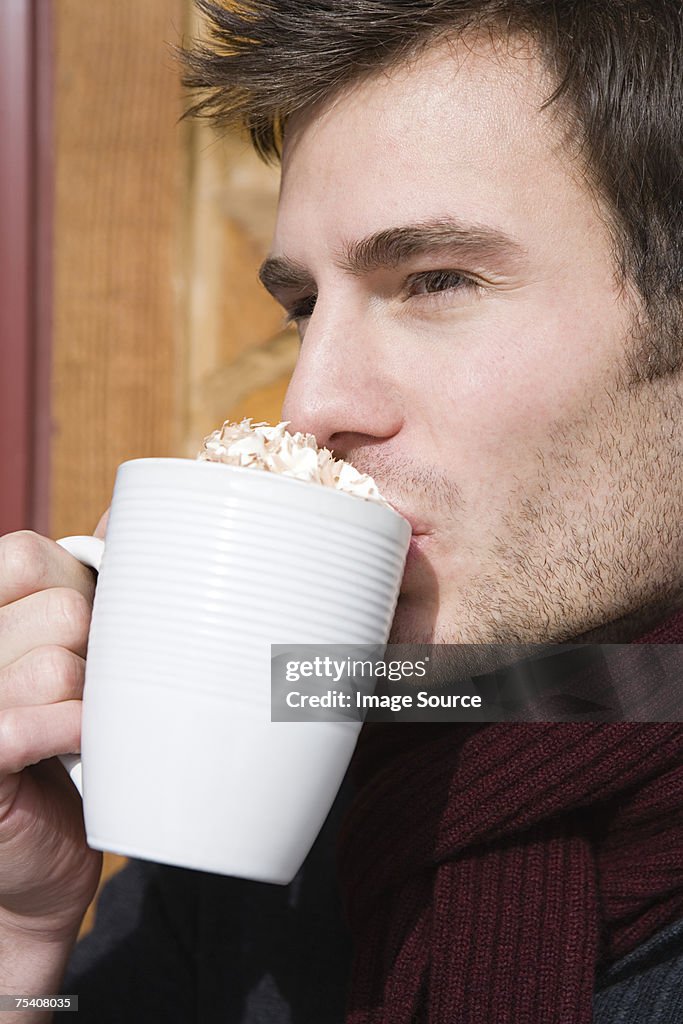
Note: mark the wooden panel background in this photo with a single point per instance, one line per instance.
(161, 329)
(118, 220)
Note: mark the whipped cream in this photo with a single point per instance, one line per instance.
(274, 449)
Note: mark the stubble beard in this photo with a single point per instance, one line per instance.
(592, 547)
(593, 550)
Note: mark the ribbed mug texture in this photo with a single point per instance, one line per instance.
(205, 566)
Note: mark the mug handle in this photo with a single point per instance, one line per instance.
(88, 551)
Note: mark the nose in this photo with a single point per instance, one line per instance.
(343, 389)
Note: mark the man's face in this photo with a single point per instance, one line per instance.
(464, 339)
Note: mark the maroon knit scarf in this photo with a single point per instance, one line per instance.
(490, 870)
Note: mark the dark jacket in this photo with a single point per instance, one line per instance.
(185, 947)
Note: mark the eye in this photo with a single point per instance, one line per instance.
(434, 281)
(301, 310)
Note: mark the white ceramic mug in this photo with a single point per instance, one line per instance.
(204, 567)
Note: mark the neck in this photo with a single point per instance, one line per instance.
(633, 626)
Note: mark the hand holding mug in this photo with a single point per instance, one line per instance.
(48, 874)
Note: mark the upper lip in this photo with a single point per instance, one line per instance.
(418, 526)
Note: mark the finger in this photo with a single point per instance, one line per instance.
(29, 563)
(31, 734)
(56, 616)
(101, 527)
(45, 675)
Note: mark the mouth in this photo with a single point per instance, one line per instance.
(416, 560)
(419, 527)
(419, 544)
(418, 567)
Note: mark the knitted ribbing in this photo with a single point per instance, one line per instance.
(491, 869)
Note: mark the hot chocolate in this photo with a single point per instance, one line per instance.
(274, 449)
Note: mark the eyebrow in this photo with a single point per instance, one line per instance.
(393, 246)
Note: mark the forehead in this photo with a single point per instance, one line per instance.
(458, 130)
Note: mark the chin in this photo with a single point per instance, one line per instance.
(413, 623)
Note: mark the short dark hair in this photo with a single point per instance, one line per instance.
(617, 69)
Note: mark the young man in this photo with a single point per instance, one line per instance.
(479, 239)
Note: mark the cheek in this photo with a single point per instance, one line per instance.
(498, 391)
